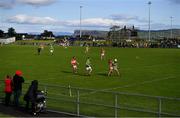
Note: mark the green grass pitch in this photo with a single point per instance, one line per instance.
(145, 71)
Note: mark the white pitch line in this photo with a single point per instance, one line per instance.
(129, 85)
(142, 83)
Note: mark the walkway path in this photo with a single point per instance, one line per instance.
(21, 112)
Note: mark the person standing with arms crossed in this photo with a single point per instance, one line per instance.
(17, 84)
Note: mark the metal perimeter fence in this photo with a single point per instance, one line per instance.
(99, 103)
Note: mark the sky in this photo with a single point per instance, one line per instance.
(64, 15)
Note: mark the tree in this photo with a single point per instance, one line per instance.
(1, 33)
(47, 33)
(11, 32)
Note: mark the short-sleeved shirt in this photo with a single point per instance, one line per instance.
(73, 62)
(51, 48)
(110, 65)
(115, 65)
(88, 62)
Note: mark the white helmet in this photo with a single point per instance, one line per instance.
(115, 60)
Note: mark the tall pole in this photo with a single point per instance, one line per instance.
(80, 21)
(171, 27)
(149, 29)
(1, 21)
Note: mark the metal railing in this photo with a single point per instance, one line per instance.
(81, 96)
(91, 102)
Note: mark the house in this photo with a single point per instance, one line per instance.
(117, 34)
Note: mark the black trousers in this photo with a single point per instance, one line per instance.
(7, 98)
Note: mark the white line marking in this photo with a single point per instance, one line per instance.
(128, 85)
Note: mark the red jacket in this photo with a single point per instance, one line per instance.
(8, 85)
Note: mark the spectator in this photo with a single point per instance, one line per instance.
(8, 89)
(17, 84)
(31, 95)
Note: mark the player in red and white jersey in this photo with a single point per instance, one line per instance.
(74, 64)
(110, 62)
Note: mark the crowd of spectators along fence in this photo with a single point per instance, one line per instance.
(83, 99)
(159, 43)
(163, 43)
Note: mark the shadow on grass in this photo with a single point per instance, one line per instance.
(112, 75)
(82, 74)
(103, 74)
(79, 74)
(66, 71)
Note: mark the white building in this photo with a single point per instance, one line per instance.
(7, 40)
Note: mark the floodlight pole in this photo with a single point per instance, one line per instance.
(1, 21)
(80, 33)
(149, 29)
(171, 27)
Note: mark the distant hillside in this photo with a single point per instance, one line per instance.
(141, 33)
(95, 33)
(159, 33)
(55, 33)
(62, 33)
(34, 33)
